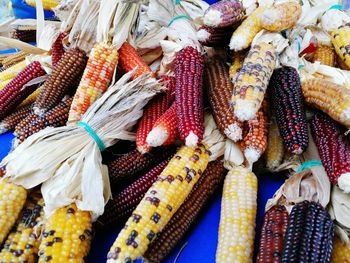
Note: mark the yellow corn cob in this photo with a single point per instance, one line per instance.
(13, 71)
(245, 33)
(67, 236)
(22, 243)
(341, 252)
(4, 83)
(252, 81)
(325, 55)
(160, 203)
(281, 16)
(329, 97)
(236, 65)
(47, 4)
(14, 58)
(31, 98)
(341, 41)
(275, 149)
(96, 78)
(237, 217)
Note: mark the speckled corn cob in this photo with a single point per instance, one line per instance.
(9, 123)
(152, 112)
(325, 55)
(252, 81)
(47, 4)
(341, 40)
(275, 149)
(63, 76)
(57, 49)
(212, 37)
(237, 217)
(341, 252)
(189, 66)
(31, 98)
(24, 123)
(22, 244)
(272, 235)
(236, 65)
(328, 97)
(182, 220)
(11, 72)
(67, 236)
(341, 64)
(14, 58)
(159, 204)
(24, 35)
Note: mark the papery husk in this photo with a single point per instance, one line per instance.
(67, 11)
(68, 162)
(334, 18)
(312, 13)
(10, 43)
(276, 39)
(105, 19)
(195, 9)
(213, 138)
(48, 36)
(5, 28)
(233, 155)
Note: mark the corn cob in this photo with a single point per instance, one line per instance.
(152, 112)
(159, 204)
(14, 58)
(182, 220)
(67, 236)
(63, 76)
(341, 64)
(329, 97)
(252, 80)
(237, 218)
(236, 65)
(22, 244)
(4, 83)
(341, 39)
(309, 235)
(223, 14)
(164, 131)
(13, 71)
(325, 55)
(31, 98)
(13, 94)
(281, 16)
(24, 35)
(25, 123)
(341, 252)
(274, 150)
(122, 205)
(189, 65)
(212, 37)
(57, 49)
(272, 234)
(47, 4)
(9, 123)
(2, 171)
(288, 105)
(130, 59)
(219, 89)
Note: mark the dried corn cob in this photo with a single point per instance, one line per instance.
(309, 235)
(341, 64)
(24, 35)
(237, 218)
(57, 49)
(272, 235)
(4, 83)
(159, 204)
(219, 89)
(13, 71)
(236, 65)
(130, 59)
(223, 13)
(47, 4)
(325, 55)
(329, 97)
(252, 81)
(14, 58)
(189, 65)
(22, 244)
(31, 98)
(341, 39)
(164, 131)
(9, 123)
(212, 37)
(2, 171)
(13, 94)
(63, 76)
(67, 236)
(187, 213)
(274, 150)
(288, 105)
(122, 205)
(152, 112)
(25, 123)
(341, 252)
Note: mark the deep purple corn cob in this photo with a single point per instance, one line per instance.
(57, 49)
(9, 123)
(24, 35)
(189, 65)
(333, 149)
(212, 37)
(13, 94)
(287, 100)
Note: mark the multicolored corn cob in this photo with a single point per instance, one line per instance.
(4, 83)
(272, 235)
(275, 149)
(122, 205)
(341, 40)
(24, 35)
(212, 37)
(30, 99)
(159, 204)
(341, 252)
(14, 58)
(22, 244)
(341, 64)
(182, 220)
(25, 123)
(237, 217)
(288, 105)
(47, 4)
(13, 94)
(219, 88)
(189, 66)
(11, 72)
(130, 59)
(164, 131)
(152, 112)
(9, 123)
(309, 235)
(63, 76)
(67, 236)
(325, 55)
(223, 13)
(57, 49)
(328, 97)
(252, 80)
(236, 65)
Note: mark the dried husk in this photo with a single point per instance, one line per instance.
(233, 155)
(213, 138)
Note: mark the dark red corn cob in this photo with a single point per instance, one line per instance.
(333, 149)
(189, 65)
(153, 110)
(9, 123)
(57, 49)
(212, 37)
(2, 171)
(272, 235)
(182, 220)
(123, 204)
(288, 105)
(24, 35)
(13, 94)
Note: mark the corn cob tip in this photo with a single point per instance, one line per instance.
(234, 132)
(344, 182)
(273, 164)
(157, 137)
(212, 18)
(202, 35)
(238, 43)
(143, 149)
(2, 128)
(245, 110)
(191, 140)
(252, 154)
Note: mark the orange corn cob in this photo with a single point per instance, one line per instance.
(325, 55)
(341, 252)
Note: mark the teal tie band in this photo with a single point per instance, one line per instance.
(176, 18)
(308, 165)
(336, 7)
(93, 134)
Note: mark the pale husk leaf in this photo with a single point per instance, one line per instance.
(48, 37)
(276, 39)
(105, 19)
(332, 19)
(233, 155)
(213, 138)
(67, 11)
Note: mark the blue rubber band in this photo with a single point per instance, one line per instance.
(176, 18)
(346, 5)
(298, 42)
(308, 165)
(94, 136)
(301, 66)
(336, 7)
(177, 2)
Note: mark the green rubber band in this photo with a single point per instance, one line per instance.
(94, 136)
(301, 66)
(336, 7)
(176, 18)
(308, 165)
